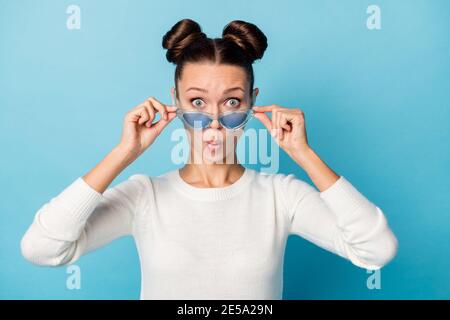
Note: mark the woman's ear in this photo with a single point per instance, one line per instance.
(173, 95)
(254, 94)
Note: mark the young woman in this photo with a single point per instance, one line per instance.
(212, 229)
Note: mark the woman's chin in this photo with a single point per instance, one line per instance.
(213, 155)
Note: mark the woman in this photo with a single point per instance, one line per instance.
(213, 229)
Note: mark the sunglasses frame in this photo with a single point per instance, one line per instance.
(210, 116)
(249, 112)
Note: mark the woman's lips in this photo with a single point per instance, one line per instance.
(213, 146)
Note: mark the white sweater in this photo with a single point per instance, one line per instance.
(210, 243)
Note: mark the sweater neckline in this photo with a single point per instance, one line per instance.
(211, 194)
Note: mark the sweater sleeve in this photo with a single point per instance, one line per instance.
(341, 220)
(80, 219)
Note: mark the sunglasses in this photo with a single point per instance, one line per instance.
(230, 120)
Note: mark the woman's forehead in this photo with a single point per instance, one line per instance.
(212, 78)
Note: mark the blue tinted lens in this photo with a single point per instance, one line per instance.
(233, 120)
(197, 120)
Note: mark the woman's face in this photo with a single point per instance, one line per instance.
(213, 88)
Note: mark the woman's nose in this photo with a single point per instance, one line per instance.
(215, 124)
(215, 111)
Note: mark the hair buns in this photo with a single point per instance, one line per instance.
(179, 37)
(247, 36)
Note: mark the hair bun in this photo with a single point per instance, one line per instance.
(247, 36)
(179, 37)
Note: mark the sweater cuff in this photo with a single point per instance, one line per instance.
(344, 199)
(79, 199)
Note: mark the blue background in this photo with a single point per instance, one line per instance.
(377, 107)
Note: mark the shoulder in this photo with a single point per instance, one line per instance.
(139, 180)
(149, 182)
(283, 181)
(287, 187)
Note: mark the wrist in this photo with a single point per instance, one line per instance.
(124, 154)
(302, 155)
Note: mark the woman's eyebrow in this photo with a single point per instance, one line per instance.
(198, 89)
(226, 91)
(233, 89)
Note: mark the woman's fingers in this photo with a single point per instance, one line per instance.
(261, 116)
(143, 115)
(162, 123)
(271, 124)
(264, 108)
(151, 106)
(160, 107)
(281, 119)
(284, 121)
(151, 111)
(171, 108)
(277, 132)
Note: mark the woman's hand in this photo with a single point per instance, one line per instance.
(287, 127)
(289, 131)
(138, 130)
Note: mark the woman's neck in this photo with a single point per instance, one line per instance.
(211, 175)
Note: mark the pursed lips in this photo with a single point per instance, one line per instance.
(213, 144)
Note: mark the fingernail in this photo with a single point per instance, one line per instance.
(273, 133)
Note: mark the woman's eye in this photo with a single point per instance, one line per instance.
(198, 103)
(233, 102)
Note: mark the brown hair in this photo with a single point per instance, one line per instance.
(241, 44)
